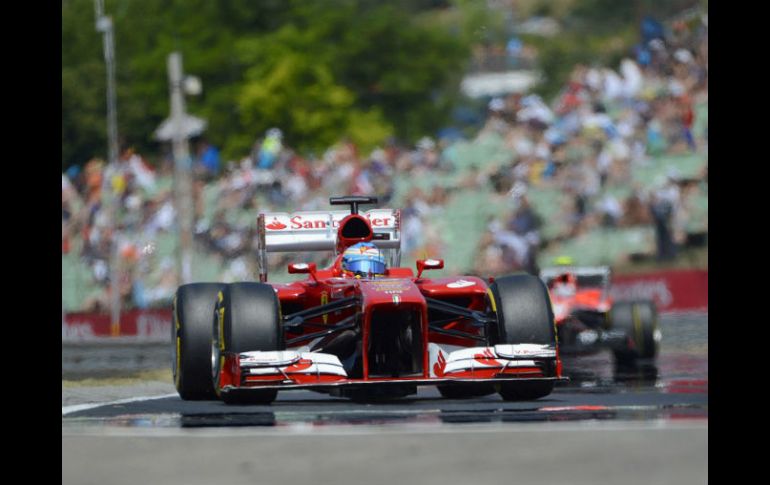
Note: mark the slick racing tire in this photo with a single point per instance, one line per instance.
(247, 318)
(191, 339)
(639, 319)
(524, 315)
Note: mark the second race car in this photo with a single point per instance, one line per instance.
(588, 319)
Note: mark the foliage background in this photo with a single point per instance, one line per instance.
(321, 70)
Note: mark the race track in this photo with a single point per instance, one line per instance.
(646, 425)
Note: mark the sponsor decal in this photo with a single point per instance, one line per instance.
(276, 225)
(369, 251)
(390, 287)
(299, 366)
(396, 299)
(440, 365)
(152, 326)
(487, 357)
(672, 290)
(76, 330)
(297, 222)
(262, 357)
(148, 325)
(321, 221)
(461, 284)
(517, 351)
(656, 290)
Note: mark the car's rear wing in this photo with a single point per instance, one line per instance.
(317, 231)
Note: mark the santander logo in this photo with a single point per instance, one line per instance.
(300, 222)
(276, 225)
(303, 364)
(438, 367)
(486, 358)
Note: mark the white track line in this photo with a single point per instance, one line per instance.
(82, 407)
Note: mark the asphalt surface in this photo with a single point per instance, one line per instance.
(645, 425)
(549, 454)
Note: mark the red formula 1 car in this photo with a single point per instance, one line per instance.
(380, 333)
(588, 319)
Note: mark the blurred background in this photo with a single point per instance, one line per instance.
(509, 133)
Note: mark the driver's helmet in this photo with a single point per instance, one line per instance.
(363, 259)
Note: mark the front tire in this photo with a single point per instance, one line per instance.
(524, 315)
(639, 319)
(191, 335)
(247, 318)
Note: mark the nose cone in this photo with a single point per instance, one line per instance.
(390, 292)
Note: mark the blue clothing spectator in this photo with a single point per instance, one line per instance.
(210, 159)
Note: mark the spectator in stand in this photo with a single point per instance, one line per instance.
(664, 207)
(587, 144)
(208, 162)
(636, 212)
(269, 149)
(610, 210)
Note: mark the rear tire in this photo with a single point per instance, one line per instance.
(639, 319)
(191, 340)
(248, 318)
(524, 315)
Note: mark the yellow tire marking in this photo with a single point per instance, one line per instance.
(221, 326)
(324, 301)
(492, 299)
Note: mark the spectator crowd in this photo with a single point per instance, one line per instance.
(602, 125)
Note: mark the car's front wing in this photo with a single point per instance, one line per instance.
(287, 370)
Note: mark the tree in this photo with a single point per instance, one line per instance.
(321, 71)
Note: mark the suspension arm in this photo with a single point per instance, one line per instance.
(297, 319)
(343, 324)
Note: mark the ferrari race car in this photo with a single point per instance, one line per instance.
(587, 318)
(361, 328)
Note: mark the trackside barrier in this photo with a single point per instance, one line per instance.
(672, 290)
(143, 325)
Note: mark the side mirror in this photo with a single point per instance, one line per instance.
(423, 264)
(303, 268)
